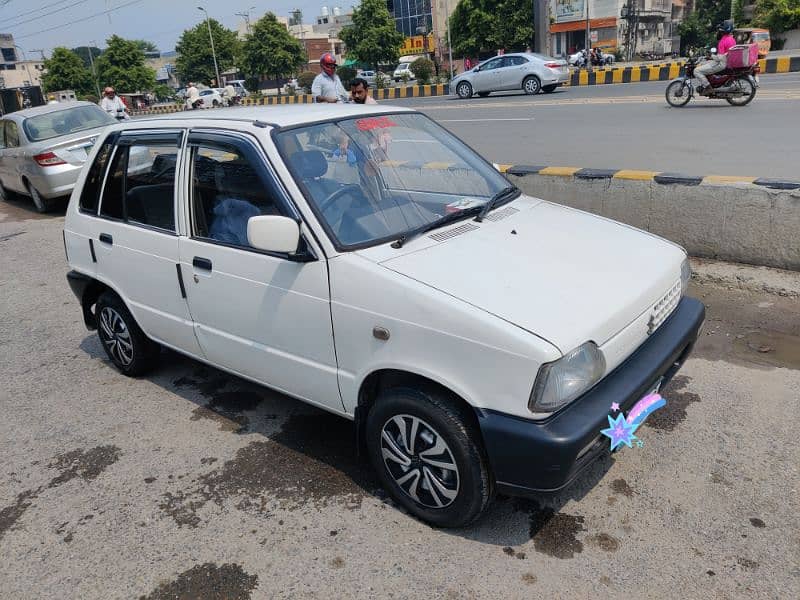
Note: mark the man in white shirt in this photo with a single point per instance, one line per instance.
(192, 95)
(327, 87)
(113, 105)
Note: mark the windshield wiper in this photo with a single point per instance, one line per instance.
(450, 218)
(501, 195)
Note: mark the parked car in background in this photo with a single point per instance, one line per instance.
(42, 149)
(474, 350)
(525, 71)
(373, 77)
(754, 36)
(403, 69)
(211, 98)
(238, 87)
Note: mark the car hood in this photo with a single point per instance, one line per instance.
(562, 274)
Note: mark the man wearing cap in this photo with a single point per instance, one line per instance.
(327, 86)
(112, 104)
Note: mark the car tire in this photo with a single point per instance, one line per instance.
(448, 488)
(41, 203)
(215, 103)
(531, 85)
(549, 89)
(131, 351)
(464, 90)
(3, 194)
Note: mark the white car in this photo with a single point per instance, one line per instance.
(403, 69)
(475, 336)
(211, 98)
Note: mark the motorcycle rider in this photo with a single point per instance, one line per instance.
(192, 96)
(327, 87)
(719, 61)
(113, 105)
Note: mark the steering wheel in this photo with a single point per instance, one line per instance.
(336, 195)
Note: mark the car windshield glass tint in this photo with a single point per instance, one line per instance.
(65, 122)
(376, 178)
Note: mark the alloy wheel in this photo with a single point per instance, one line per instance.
(115, 336)
(420, 461)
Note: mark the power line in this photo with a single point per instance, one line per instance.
(47, 15)
(28, 12)
(99, 14)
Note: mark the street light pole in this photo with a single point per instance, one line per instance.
(211, 37)
(588, 40)
(449, 43)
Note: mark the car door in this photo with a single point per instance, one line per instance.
(485, 80)
(515, 72)
(264, 316)
(136, 248)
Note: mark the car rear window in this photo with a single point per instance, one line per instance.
(65, 122)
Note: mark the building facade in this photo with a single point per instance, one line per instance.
(636, 27)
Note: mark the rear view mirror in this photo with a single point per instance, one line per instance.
(273, 233)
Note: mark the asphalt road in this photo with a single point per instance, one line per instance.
(190, 483)
(631, 126)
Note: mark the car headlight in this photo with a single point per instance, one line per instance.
(560, 382)
(686, 275)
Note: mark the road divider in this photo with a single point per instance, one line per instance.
(734, 218)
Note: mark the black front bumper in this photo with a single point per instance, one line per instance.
(544, 456)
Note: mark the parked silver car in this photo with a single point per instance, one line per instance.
(525, 71)
(42, 149)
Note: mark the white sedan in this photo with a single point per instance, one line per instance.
(211, 98)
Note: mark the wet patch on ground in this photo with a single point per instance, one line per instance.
(529, 578)
(311, 461)
(671, 415)
(553, 533)
(756, 522)
(746, 563)
(621, 487)
(87, 465)
(11, 514)
(768, 348)
(207, 582)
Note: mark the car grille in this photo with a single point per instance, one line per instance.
(664, 307)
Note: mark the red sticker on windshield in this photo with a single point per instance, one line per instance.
(374, 123)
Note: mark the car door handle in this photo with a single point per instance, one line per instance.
(106, 239)
(201, 263)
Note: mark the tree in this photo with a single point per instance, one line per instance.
(64, 70)
(777, 15)
(737, 12)
(372, 38)
(484, 26)
(195, 60)
(146, 46)
(122, 66)
(699, 29)
(270, 50)
(422, 69)
(83, 52)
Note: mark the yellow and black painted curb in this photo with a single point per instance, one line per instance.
(410, 91)
(663, 178)
(666, 71)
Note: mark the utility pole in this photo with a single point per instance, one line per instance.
(449, 42)
(588, 40)
(94, 73)
(211, 37)
(246, 16)
(540, 26)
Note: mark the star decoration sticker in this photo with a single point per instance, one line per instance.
(639, 443)
(620, 431)
(615, 406)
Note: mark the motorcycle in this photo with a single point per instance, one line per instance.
(582, 58)
(736, 86)
(197, 104)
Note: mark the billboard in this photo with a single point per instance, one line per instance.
(570, 10)
(416, 45)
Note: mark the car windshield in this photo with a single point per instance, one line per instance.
(65, 122)
(380, 177)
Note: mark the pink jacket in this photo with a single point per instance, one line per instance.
(725, 43)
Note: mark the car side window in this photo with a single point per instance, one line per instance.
(11, 134)
(90, 195)
(518, 61)
(492, 64)
(226, 191)
(140, 186)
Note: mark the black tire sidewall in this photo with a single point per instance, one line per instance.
(145, 351)
(475, 484)
(39, 201)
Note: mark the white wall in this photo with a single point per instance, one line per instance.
(792, 39)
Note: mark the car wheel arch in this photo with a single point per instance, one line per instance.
(386, 378)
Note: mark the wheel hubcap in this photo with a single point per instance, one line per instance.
(531, 85)
(463, 90)
(116, 336)
(420, 461)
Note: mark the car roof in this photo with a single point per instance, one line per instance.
(47, 108)
(280, 116)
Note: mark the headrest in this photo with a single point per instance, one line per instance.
(310, 164)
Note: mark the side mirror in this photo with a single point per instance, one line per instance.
(476, 69)
(273, 233)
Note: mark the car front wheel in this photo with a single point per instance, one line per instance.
(429, 457)
(464, 90)
(531, 85)
(131, 351)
